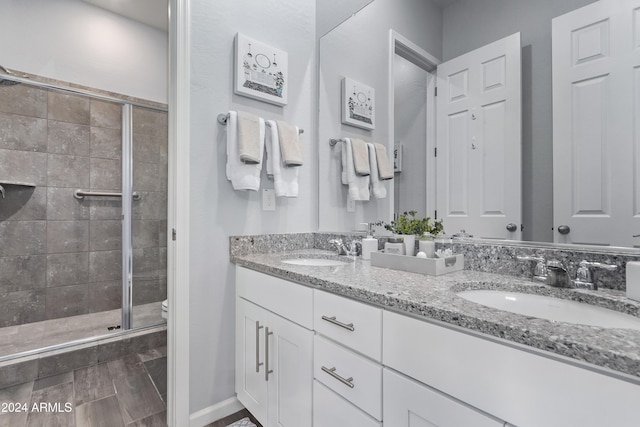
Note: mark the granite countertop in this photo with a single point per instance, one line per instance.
(434, 297)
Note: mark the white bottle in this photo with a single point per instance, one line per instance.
(369, 244)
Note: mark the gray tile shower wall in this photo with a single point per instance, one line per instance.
(60, 256)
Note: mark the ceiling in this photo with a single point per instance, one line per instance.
(150, 12)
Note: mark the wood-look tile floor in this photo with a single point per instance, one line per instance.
(126, 392)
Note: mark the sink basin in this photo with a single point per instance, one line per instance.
(314, 262)
(551, 308)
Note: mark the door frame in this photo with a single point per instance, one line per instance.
(178, 411)
(402, 46)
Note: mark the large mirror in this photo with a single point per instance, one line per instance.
(359, 49)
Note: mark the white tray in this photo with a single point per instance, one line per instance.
(430, 266)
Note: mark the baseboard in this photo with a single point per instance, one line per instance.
(215, 412)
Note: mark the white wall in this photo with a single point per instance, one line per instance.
(330, 13)
(73, 41)
(410, 128)
(216, 210)
(469, 24)
(359, 49)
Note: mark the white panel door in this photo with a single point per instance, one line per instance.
(479, 141)
(290, 357)
(596, 129)
(251, 386)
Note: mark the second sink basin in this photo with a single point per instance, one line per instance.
(551, 308)
(314, 262)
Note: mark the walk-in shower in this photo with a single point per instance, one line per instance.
(84, 215)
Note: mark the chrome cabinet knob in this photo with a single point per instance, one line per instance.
(511, 227)
(564, 229)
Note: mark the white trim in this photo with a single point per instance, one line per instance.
(431, 175)
(178, 215)
(423, 59)
(215, 412)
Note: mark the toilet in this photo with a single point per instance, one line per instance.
(164, 309)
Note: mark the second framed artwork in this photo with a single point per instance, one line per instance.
(358, 104)
(261, 71)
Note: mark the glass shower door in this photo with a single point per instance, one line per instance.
(149, 225)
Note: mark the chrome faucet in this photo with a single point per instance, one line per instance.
(584, 277)
(540, 273)
(338, 246)
(558, 274)
(342, 249)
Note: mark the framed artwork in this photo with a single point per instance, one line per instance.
(261, 71)
(358, 104)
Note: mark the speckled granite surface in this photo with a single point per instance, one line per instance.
(501, 258)
(435, 298)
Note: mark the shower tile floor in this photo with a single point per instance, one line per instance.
(30, 336)
(130, 391)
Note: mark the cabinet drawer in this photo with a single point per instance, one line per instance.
(407, 402)
(289, 300)
(356, 378)
(354, 324)
(331, 410)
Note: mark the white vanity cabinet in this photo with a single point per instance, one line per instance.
(337, 362)
(274, 368)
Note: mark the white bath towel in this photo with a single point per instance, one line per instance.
(379, 190)
(285, 179)
(358, 185)
(242, 176)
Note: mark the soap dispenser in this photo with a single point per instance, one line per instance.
(369, 244)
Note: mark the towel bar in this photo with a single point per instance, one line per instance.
(334, 141)
(222, 119)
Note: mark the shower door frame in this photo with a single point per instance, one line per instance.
(126, 212)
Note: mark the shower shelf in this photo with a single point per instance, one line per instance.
(3, 183)
(24, 184)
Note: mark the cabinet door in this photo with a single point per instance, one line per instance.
(408, 403)
(290, 356)
(251, 386)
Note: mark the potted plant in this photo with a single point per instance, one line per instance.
(409, 227)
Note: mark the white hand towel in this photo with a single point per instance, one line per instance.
(358, 185)
(242, 176)
(285, 179)
(385, 170)
(360, 157)
(379, 190)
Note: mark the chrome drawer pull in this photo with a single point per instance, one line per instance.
(267, 371)
(332, 371)
(258, 363)
(338, 323)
